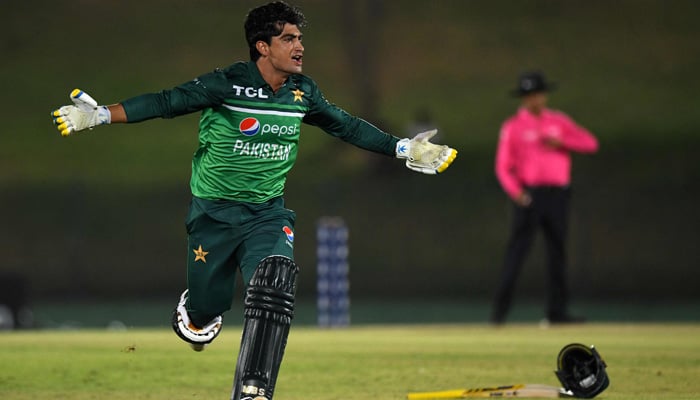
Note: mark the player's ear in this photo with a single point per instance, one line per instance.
(262, 47)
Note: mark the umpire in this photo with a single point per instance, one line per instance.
(533, 166)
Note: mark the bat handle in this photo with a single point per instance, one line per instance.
(83, 100)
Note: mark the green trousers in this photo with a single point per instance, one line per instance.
(225, 236)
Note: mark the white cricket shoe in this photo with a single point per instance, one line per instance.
(198, 338)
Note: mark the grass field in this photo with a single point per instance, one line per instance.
(645, 361)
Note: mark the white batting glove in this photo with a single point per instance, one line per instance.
(423, 156)
(84, 114)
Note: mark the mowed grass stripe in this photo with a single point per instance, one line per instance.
(645, 361)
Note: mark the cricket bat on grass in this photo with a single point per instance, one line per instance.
(521, 390)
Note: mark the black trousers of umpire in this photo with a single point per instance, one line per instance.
(549, 211)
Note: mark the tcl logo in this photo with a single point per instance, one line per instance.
(250, 92)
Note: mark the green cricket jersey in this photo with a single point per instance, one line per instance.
(248, 134)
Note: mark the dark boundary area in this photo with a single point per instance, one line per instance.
(126, 315)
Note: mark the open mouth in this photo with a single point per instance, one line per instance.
(297, 59)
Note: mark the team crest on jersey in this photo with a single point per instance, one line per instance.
(298, 94)
(249, 126)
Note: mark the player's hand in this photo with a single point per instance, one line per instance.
(423, 156)
(524, 199)
(553, 143)
(84, 114)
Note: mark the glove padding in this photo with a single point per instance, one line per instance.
(84, 114)
(423, 156)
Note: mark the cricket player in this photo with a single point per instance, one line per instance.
(533, 165)
(249, 129)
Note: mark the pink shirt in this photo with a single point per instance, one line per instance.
(524, 159)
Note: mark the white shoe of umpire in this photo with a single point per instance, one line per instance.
(197, 337)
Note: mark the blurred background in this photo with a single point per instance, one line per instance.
(93, 225)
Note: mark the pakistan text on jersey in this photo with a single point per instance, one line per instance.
(271, 151)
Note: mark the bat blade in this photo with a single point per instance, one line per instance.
(518, 390)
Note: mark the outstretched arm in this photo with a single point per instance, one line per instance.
(118, 113)
(420, 154)
(85, 113)
(200, 93)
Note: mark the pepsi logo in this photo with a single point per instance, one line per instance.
(289, 232)
(249, 126)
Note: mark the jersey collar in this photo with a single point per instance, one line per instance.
(254, 73)
(523, 113)
(258, 80)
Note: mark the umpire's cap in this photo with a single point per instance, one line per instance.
(532, 82)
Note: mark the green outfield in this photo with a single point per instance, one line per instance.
(645, 361)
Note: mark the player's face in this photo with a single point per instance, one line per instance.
(286, 50)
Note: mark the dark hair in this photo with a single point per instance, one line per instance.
(267, 21)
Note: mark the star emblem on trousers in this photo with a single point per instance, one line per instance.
(199, 254)
(297, 94)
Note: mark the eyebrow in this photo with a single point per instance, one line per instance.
(291, 36)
